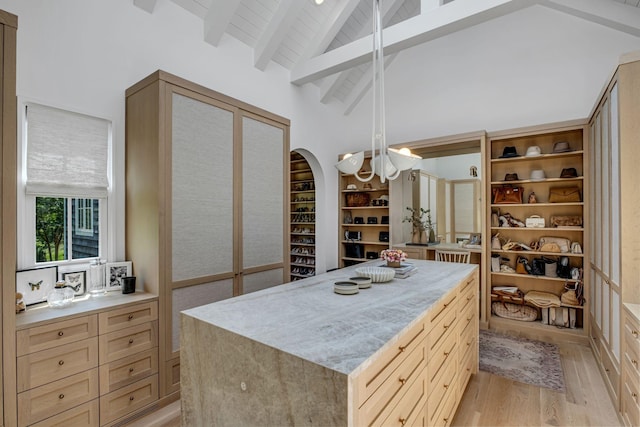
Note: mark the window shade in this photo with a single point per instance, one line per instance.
(67, 153)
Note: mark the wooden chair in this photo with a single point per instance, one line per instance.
(453, 256)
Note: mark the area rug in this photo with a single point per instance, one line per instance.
(521, 359)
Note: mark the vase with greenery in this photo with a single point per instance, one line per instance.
(423, 228)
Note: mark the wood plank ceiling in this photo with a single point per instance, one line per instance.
(329, 45)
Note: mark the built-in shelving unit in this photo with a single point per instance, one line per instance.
(303, 219)
(552, 164)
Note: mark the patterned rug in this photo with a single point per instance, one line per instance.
(521, 359)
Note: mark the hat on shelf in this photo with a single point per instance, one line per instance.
(509, 152)
(561, 147)
(569, 173)
(533, 151)
(537, 175)
(511, 177)
(352, 187)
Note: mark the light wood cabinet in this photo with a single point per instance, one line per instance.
(630, 393)
(539, 174)
(94, 369)
(207, 200)
(613, 270)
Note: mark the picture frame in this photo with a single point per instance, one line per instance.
(34, 284)
(115, 272)
(77, 280)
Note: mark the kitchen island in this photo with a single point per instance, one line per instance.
(300, 354)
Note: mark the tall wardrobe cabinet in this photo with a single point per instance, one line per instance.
(206, 201)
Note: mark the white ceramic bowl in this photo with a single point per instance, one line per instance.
(377, 274)
(362, 281)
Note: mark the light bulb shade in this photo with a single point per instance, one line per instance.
(402, 161)
(389, 169)
(352, 164)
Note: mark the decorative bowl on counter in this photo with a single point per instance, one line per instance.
(362, 281)
(376, 274)
(345, 287)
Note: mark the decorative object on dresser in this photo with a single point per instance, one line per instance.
(394, 257)
(34, 284)
(115, 272)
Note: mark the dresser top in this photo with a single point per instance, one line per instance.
(307, 319)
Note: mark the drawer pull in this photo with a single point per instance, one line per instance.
(635, 362)
(445, 419)
(446, 304)
(469, 298)
(131, 398)
(402, 380)
(634, 395)
(61, 396)
(130, 317)
(61, 362)
(60, 333)
(634, 333)
(402, 421)
(130, 340)
(446, 386)
(446, 353)
(130, 370)
(402, 348)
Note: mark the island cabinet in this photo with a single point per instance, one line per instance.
(92, 364)
(399, 353)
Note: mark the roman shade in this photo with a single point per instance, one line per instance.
(67, 153)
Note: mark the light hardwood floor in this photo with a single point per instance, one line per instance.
(491, 400)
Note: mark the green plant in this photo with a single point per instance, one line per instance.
(418, 220)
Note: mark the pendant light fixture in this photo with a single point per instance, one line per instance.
(387, 162)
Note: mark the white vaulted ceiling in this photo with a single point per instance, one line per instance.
(329, 45)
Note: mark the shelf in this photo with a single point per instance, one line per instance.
(365, 225)
(298, 202)
(302, 191)
(294, 171)
(303, 255)
(364, 207)
(577, 153)
(364, 242)
(371, 190)
(543, 181)
(297, 181)
(563, 229)
(569, 254)
(531, 276)
(537, 204)
(536, 327)
(303, 244)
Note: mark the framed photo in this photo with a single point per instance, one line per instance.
(35, 284)
(475, 239)
(115, 272)
(77, 280)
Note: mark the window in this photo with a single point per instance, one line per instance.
(63, 205)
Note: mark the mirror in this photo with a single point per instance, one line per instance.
(447, 182)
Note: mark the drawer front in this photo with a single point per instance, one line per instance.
(467, 343)
(126, 371)
(612, 375)
(632, 335)
(444, 325)
(128, 342)
(126, 317)
(441, 390)
(377, 373)
(43, 367)
(468, 317)
(56, 334)
(51, 399)
(387, 395)
(410, 408)
(128, 399)
(467, 296)
(467, 367)
(442, 307)
(469, 286)
(442, 357)
(446, 412)
(631, 402)
(85, 415)
(633, 359)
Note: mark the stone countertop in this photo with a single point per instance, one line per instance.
(634, 310)
(307, 319)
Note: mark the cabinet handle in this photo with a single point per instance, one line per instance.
(61, 362)
(130, 340)
(635, 362)
(634, 333)
(131, 398)
(402, 380)
(60, 333)
(402, 421)
(445, 420)
(130, 370)
(446, 353)
(130, 317)
(61, 396)
(469, 298)
(446, 304)
(446, 386)
(402, 348)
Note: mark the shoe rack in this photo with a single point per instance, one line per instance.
(303, 219)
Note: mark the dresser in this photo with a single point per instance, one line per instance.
(630, 393)
(94, 363)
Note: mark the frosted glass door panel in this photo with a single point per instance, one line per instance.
(597, 201)
(463, 203)
(262, 280)
(606, 313)
(592, 198)
(262, 193)
(606, 190)
(615, 323)
(615, 188)
(202, 192)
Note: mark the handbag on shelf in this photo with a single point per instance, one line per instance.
(514, 311)
(574, 221)
(534, 221)
(547, 244)
(565, 194)
(537, 267)
(507, 194)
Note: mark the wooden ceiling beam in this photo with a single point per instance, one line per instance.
(217, 19)
(618, 16)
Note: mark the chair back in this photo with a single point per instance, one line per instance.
(453, 256)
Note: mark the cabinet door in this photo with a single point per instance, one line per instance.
(264, 155)
(615, 187)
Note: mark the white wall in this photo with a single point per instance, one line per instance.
(452, 167)
(534, 66)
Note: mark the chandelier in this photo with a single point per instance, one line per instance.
(386, 162)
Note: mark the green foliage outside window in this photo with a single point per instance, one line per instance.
(50, 229)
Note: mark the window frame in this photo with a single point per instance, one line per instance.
(26, 203)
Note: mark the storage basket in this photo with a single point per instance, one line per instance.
(354, 200)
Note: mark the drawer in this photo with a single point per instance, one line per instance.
(85, 415)
(440, 358)
(51, 399)
(126, 317)
(632, 335)
(631, 403)
(442, 389)
(125, 371)
(58, 333)
(410, 408)
(446, 412)
(43, 367)
(444, 325)
(391, 390)
(612, 375)
(127, 342)
(467, 342)
(128, 399)
(381, 368)
(467, 295)
(633, 358)
(442, 307)
(468, 317)
(467, 367)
